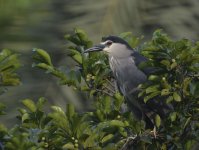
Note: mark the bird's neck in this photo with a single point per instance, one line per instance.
(121, 54)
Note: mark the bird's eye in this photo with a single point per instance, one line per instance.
(108, 43)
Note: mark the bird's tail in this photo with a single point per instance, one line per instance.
(148, 111)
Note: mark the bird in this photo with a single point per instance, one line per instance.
(124, 63)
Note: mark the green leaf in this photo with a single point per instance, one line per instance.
(107, 138)
(176, 97)
(107, 104)
(141, 93)
(194, 89)
(169, 99)
(79, 38)
(153, 77)
(58, 110)
(166, 63)
(25, 117)
(22, 111)
(132, 40)
(153, 88)
(43, 56)
(165, 92)
(44, 66)
(150, 96)
(190, 145)
(160, 38)
(187, 122)
(70, 110)
(173, 116)
(60, 119)
(173, 65)
(68, 146)
(9, 63)
(116, 123)
(163, 147)
(41, 102)
(76, 56)
(100, 115)
(2, 107)
(186, 84)
(90, 141)
(146, 139)
(157, 120)
(29, 104)
(10, 79)
(122, 132)
(3, 129)
(119, 99)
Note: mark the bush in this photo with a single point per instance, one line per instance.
(176, 79)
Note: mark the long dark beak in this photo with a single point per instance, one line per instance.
(95, 48)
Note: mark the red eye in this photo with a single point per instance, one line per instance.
(108, 43)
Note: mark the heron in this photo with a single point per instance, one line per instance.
(124, 62)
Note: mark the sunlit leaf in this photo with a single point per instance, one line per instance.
(68, 146)
(151, 95)
(152, 89)
(107, 138)
(116, 123)
(70, 110)
(29, 104)
(43, 56)
(76, 56)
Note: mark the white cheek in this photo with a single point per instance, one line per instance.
(107, 49)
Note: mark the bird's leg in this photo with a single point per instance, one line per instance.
(103, 91)
(110, 89)
(154, 132)
(129, 141)
(111, 83)
(115, 86)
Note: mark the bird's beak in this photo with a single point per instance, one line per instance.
(95, 48)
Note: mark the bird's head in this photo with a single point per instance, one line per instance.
(113, 45)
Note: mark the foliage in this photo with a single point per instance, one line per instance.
(108, 127)
(9, 63)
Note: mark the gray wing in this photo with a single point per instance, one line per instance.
(128, 77)
(156, 105)
(138, 59)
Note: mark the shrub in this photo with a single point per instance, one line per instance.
(107, 127)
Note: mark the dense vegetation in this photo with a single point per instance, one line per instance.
(106, 126)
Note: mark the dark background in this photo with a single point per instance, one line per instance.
(26, 24)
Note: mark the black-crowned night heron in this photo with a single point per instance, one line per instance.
(124, 62)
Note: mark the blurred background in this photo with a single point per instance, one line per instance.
(28, 24)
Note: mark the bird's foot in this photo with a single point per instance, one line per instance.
(128, 142)
(154, 132)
